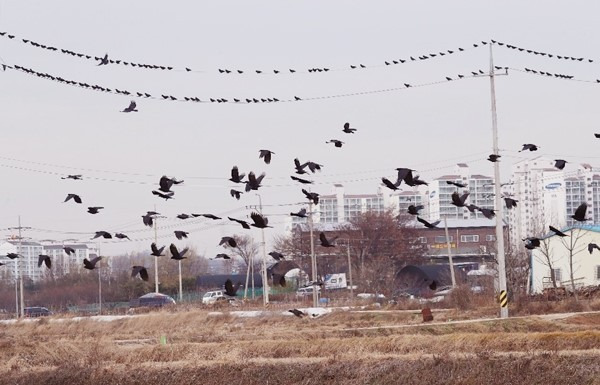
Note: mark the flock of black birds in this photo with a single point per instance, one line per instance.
(406, 175)
(253, 182)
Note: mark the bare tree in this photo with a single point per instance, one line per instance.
(573, 247)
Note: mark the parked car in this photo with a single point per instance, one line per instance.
(306, 291)
(36, 311)
(215, 296)
(151, 300)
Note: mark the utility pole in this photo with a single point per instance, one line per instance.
(350, 270)
(180, 285)
(155, 218)
(498, 192)
(313, 258)
(19, 271)
(452, 276)
(99, 291)
(264, 261)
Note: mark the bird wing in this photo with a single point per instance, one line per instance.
(258, 219)
(182, 252)
(229, 288)
(173, 249)
(423, 221)
(580, 212)
(252, 178)
(165, 183)
(260, 178)
(235, 173)
(41, 259)
(323, 239)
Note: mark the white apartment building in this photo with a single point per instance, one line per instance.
(548, 196)
(439, 201)
(62, 263)
(26, 264)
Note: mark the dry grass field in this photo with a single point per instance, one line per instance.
(203, 348)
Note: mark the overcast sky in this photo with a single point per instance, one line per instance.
(44, 124)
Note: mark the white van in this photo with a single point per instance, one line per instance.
(211, 297)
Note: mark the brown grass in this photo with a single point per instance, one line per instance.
(210, 349)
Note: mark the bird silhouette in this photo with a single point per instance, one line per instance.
(579, 214)
(557, 231)
(241, 222)
(165, 196)
(236, 177)
(493, 157)
(488, 213)
(12, 255)
(297, 313)
(276, 256)
(266, 155)
(347, 129)
(131, 108)
(121, 236)
(210, 216)
(235, 193)
(260, 221)
(560, 163)
(510, 202)
(311, 196)
(337, 143)
(141, 270)
(414, 210)
(530, 147)
(300, 167)
(326, 242)
(222, 255)
(300, 214)
(181, 234)
(253, 183)
(406, 175)
(303, 181)
(94, 209)
(592, 246)
(156, 252)
(103, 234)
(74, 177)
(429, 225)
(228, 241)
(459, 200)
(389, 184)
(69, 250)
(104, 61)
(532, 242)
(75, 197)
(176, 254)
(147, 220)
(231, 290)
(91, 264)
(457, 184)
(313, 167)
(166, 183)
(42, 258)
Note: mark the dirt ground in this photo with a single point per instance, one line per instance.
(199, 347)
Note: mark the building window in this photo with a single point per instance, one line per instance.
(442, 239)
(490, 238)
(469, 238)
(557, 275)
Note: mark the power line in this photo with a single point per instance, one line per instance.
(321, 69)
(235, 100)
